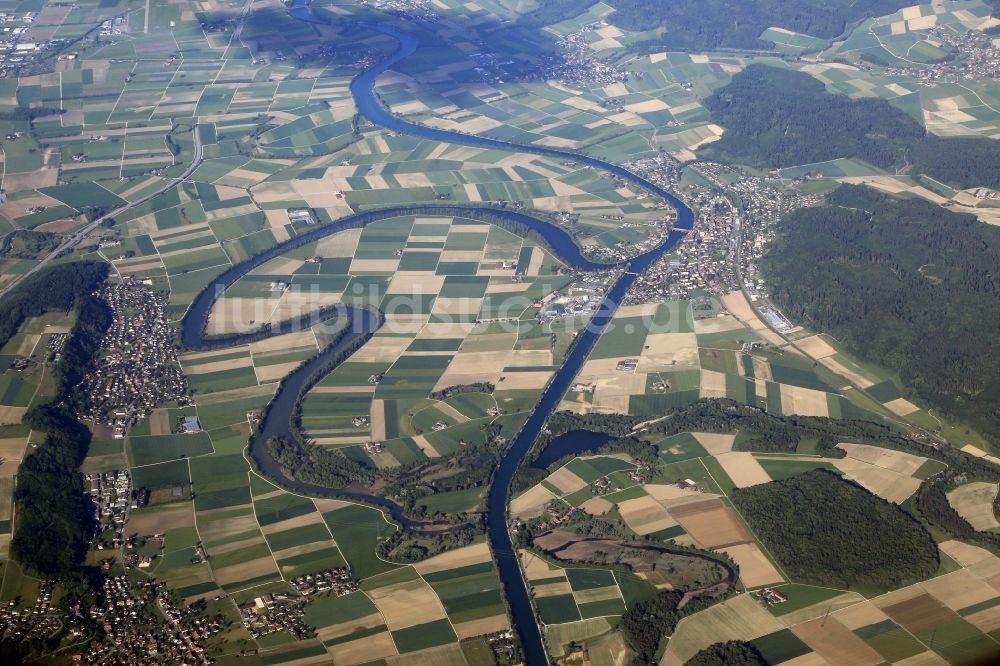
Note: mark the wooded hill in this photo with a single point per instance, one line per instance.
(779, 118)
(825, 530)
(902, 283)
(710, 24)
(54, 516)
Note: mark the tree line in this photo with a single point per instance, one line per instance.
(730, 653)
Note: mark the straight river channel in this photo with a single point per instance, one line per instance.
(276, 421)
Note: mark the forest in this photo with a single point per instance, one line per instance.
(27, 244)
(866, 542)
(902, 283)
(710, 24)
(779, 118)
(646, 622)
(55, 288)
(54, 514)
(316, 464)
(730, 653)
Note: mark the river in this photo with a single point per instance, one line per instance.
(362, 89)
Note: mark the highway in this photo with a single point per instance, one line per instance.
(80, 234)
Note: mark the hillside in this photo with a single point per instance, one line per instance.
(701, 24)
(910, 286)
(780, 118)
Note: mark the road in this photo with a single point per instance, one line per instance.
(75, 239)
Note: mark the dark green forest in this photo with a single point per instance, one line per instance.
(779, 118)
(646, 622)
(709, 24)
(54, 514)
(903, 283)
(730, 653)
(825, 530)
(55, 288)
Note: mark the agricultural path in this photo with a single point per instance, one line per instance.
(82, 233)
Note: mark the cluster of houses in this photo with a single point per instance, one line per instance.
(111, 493)
(603, 486)
(506, 649)
(656, 231)
(133, 631)
(581, 297)
(413, 10)
(576, 63)
(17, 45)
(39, 620)
(274, 612)
(137, 367)
(976, 56)
(769, 596)
(706, 258)
(628, 365)
(335, 581)
(557, 513)
(763, 207)
(689, 485)
(114, 26)
(640, 474)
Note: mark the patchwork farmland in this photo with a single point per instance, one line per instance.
(195, 136)
(681, 498)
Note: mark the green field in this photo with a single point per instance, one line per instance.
(155, 449)
(357, 529)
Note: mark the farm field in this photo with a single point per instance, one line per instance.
(946, 619)
(686, 501)
(452, 319)
(659, 356)
(257, 538)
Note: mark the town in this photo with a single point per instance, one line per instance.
(736, 214)
(137, 369)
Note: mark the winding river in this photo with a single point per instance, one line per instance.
(278, 413)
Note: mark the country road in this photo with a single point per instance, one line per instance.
(82, 233)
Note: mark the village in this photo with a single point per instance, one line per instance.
(736, 215)
(278, 611)
(131, 622)
(977, 57)
(137, 367)
(576, 64)
(131, 627)
(37, 621)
